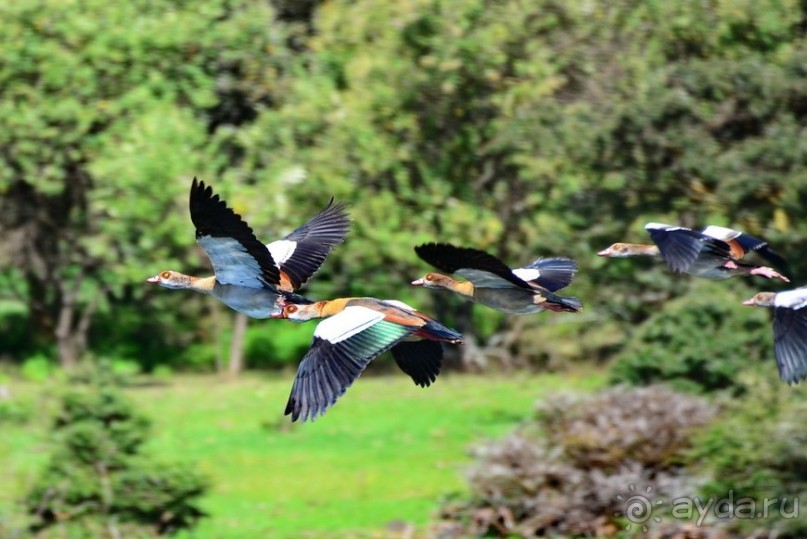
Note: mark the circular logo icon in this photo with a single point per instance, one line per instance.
(638, 508)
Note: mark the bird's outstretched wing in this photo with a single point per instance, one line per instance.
(746, 243)
(301, 253)
(421, 360)
(342, 347)
(549, 273)
(482, 269)
(238, 257)
(680, 247)
(790, 343)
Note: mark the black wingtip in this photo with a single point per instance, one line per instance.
(421, 360)
(211, 216)
(450, 258)
(290, 405)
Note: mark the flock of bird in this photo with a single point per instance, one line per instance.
(261, 281)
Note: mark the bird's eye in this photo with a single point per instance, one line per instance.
(165, 274)
(291, 309)
(429, 277)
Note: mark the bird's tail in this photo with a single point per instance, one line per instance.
(556, 303)
(436, 331)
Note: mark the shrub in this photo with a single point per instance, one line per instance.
(37, 368)
(276, 345)
(125, 368)
(694, 343)
(98, 481)
(14, 411)
(198, 357)
(162, 372)
(14, 334)
(569, 473)
(758, 450)
(649, 425)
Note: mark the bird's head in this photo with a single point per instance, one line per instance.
(170, 279)
(761, 299)
(617, 250)
(295, 312)
(433, 280)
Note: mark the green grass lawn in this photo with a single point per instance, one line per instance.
(388, 451)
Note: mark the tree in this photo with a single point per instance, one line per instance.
(109, 111)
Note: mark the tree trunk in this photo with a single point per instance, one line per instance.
(218, 331)
(71, 336)
(65, 342)
(237, 344)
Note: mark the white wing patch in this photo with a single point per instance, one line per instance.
(232, 264)
(281, 250)
(791, 299)
(721, 233)
(349, 322)
(527, 274)
(400, 305)
(662, 226)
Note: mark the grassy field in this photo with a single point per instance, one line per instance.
(387, 452)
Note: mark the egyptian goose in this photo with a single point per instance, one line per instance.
(789, 330)
(713, 253)
(251, 277)
(356, 331)
(492, 283)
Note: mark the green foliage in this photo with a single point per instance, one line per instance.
(276, 344)
(13, 410)
(125, 368)
(98, 479)
(162, 372)
(701, 341)
(37, 368)
(198, 358)
(13, 320)
(381, 455)
(551, 128)
(110, 111)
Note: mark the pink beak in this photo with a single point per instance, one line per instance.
(418, 282)
(749, 302)
(153, 280)
(605, 252)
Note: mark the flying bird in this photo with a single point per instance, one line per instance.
(789, 330)
(250, 277)
(354, 332)
(713, 253)
(492, 283)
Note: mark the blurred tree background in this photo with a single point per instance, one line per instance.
(526, 129)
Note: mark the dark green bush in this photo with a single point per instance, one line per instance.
(277, 344)
(197, 357)
(700, 341)
(14, 411)
(37, 368)
(98, 481)
(14, 334)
